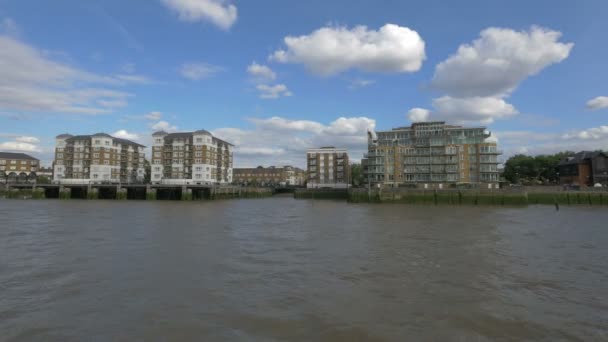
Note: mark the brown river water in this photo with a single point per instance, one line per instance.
(281, 269)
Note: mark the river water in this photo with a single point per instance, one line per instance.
(283, 269)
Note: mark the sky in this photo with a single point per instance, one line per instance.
(277, 77)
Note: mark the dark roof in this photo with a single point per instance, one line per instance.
(202, 131)
(64, 135)
(118, 140)
(159, 133)
(17, 156)
(581, 157)
(179, 135)
(101, 134)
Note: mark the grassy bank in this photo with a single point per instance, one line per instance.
(478, 198)
(23, 194)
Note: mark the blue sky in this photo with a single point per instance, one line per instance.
(534, 72)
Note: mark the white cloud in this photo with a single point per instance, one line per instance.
(477, 79)
(125, 135)
(273, 92)
(468, 110)
(27, 139)
(261, 72)
(594, 133)
(331, 50)
(418, 114)
(154, 116)
(198, 71)
(599, 102)
(498, 61)
(219, 12)
(16, 146)
(134, 79)
(282, 141)
(31, 82)
(164, 126)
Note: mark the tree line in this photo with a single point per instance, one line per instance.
(540, 169)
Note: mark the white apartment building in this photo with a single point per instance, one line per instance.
(97, 158)
(190, 158)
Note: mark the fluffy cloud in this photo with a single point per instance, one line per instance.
(26, 139)
(261, 73)
(594, 133)
(153, 116)
(273, 92)
(477, 79)
(498, 61)
(331, 50)
(15, 146)
(418, 114)
(31, 82)
(219, 12)
(198, 71)
(468, 110)
(164, 126)
(282, 141)
(125, 135)
(599, 102)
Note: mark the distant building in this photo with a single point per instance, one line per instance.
(190, 158)
(97, 158)
(45, 171)
(18, 167)
(283, 176)
(584, 169)
(327, 167)
(432, 155)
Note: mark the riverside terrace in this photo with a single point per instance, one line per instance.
(129, 191)
(549, 195)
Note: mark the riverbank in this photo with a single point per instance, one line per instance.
(476, 197)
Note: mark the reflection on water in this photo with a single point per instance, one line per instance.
(277, 269)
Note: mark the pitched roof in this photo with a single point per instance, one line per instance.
(118, 140)
(580, 157)
(17, 156)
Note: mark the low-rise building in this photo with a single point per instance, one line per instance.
(97, 158)
(585, 168)
(269, 176)
(327, 167)
(190, 158)
(432, 155)
(18, 167)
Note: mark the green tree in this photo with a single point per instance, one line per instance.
(524, 169)
(356, 174)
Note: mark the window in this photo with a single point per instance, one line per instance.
(158, 141)
(95, 155)
(106, 162)
(199, 140)
(97, 142)
(107, 143)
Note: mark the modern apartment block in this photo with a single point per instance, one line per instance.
(97, 158)
(283, 176)
(327, 167)
(17, 167)
(432, 155)
(190, 158)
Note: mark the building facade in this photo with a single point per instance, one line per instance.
(274, 176)
(584, 169)
(18, 167)
(97, 158)
(190, 158)
(432, 155)
(327, 167)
